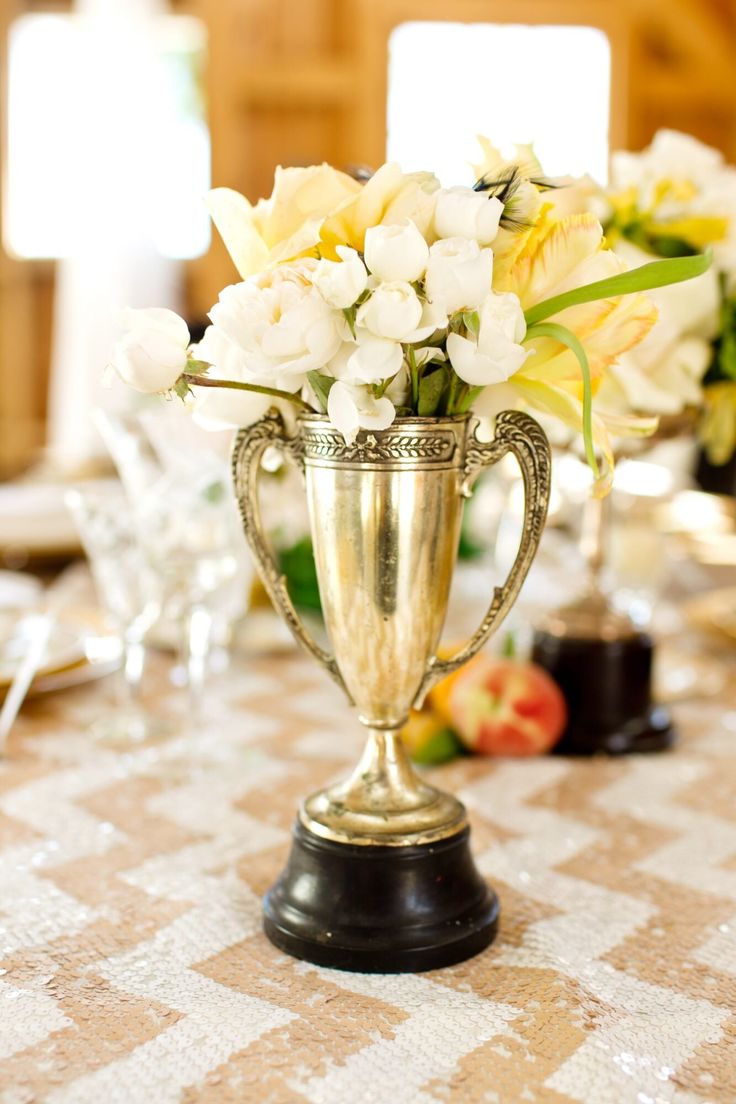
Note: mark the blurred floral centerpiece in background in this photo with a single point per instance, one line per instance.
(676, 198)
(397, 297)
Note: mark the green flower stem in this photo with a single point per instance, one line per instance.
(414, 377)
(566, 337)
(454, 393)
(235, 385)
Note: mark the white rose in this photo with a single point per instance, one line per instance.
(375, 358)
(396, 252)
(281, 325)
(341, 282)
(352, 408)
(434, 317)
(153, 353)
(464, 213)
(392, 311)
(498, 353)
(459, 274)
(217, 407)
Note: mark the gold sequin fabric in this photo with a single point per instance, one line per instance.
(133, 969)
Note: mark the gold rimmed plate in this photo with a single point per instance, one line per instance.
(80, 650)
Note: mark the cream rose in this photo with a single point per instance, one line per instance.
(463, 213)
(281, 325)
(393, 311)
(374, 359)
(459, 274)
(153, 353)
(341, 282)
(497, 353)
(351, 408)
(396, 252)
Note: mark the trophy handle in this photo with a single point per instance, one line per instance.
(521, 435)
(248, 448)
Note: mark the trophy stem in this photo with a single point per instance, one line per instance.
(383, 802)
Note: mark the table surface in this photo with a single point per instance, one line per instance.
(133, 969)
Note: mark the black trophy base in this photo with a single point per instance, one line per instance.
(380, 909)
(607, 686)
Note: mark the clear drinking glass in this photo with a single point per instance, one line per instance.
(128, 593)
(191, 536)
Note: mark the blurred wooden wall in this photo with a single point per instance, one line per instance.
(297, 83)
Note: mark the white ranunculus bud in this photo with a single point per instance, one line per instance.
(352, 408)
(464, 213)
(341, 282)
(396, 252)
(153, 353)
(374, 360)
(497, 353)
(459, 274)
(393, 311)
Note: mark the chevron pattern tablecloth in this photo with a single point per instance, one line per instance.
(133, 969)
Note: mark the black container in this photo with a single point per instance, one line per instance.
(608, 689)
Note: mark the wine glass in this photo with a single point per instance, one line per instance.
(128, 593)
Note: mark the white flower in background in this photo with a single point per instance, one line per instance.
(459, 274)
(497, 353)
(373, 360)
(392, 311)
(464, 213)
(663, 385)
(281, 324)
(351, 408)
(396, 252)
(341, 282)
(153, 353)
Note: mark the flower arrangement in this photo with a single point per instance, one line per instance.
(396, 297)
(677, 198)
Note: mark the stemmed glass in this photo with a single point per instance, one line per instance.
(175, 475)
(128, 592)
(189, 532)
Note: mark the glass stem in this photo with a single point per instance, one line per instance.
(593, 539)
(131, 672)
(198, 639)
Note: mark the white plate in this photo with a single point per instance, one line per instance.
(34, 519)
(65, 647)
(18, 591)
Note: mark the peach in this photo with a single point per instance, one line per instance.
(505, 707)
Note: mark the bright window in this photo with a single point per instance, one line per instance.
(106, 134)
(513, 84)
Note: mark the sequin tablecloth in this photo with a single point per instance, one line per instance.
(133, 969)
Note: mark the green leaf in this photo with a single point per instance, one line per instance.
(468, 399)
(431, 389)
(198, 367)
(181, 388)
(472, 322)
(349, 314)
(653, 275)
(214, 492)
(321, 386)
(566, 337)
(508, 647)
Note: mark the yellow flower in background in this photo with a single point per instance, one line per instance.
(718, 425)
